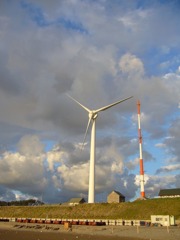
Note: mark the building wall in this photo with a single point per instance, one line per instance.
(164, 220)
(114, 197)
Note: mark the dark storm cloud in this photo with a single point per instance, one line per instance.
(8, 83)
(126, 184)
(173, 140)
(11, 134)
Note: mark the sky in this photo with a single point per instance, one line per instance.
(98, 52)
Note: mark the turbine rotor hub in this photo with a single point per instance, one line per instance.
(93, 115)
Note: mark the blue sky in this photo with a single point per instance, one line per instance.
(98, 52)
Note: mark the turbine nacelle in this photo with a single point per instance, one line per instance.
(93, 115)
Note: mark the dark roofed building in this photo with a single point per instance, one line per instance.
(169, 193)
(115, 197)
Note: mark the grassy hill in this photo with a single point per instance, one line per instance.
(141, 210)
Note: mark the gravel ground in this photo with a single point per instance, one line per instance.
(16, 231)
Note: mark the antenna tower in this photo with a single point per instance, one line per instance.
(140, 151)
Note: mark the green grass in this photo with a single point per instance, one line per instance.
(141, 210)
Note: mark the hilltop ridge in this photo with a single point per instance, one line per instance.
(127, 210)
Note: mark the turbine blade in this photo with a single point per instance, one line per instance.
(111, 105)
(87, 109)
(82, 146)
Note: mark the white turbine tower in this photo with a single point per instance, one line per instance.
(92, 117)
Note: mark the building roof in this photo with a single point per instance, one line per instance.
(120, 194)
(76, 200)
(169, 192)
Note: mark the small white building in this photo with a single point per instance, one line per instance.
(164, 220)
(76, 201)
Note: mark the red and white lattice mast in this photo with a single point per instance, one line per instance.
(140, 151)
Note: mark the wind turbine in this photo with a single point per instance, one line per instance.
(93, 114)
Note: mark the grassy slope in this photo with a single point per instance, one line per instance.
(132, 210)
